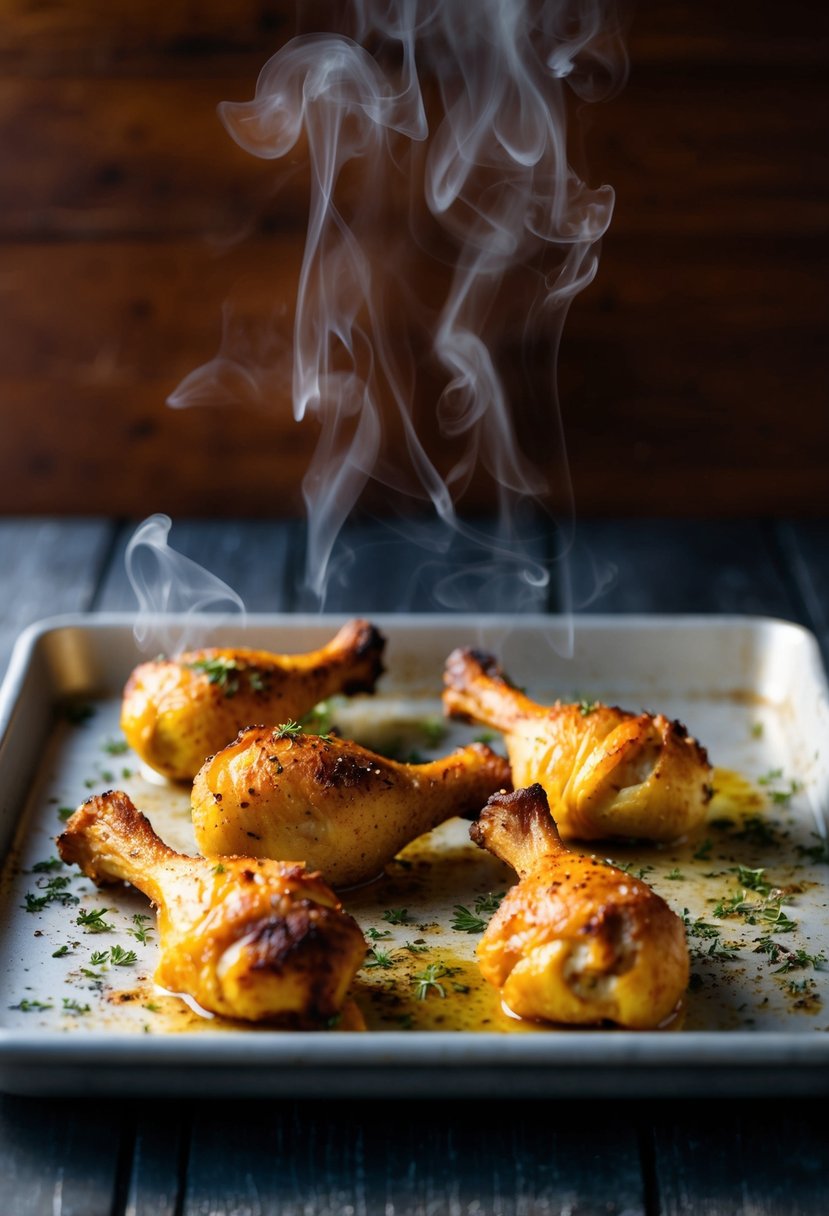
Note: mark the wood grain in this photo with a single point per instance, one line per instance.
(688, 381)
(411, 1159)
(804, 552)
(691, 372)
(94, 36)
(49, 566)
(686, 153)
(134, 36)
(678, 565)
(258, 559)
(59, 1157)
(708, 1174)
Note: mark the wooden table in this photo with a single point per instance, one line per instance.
(388, 1158)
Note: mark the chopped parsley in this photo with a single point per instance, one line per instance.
(490, 902)
(433, 730)
(779, 790)
(288, 730)
(800, 987)
(396, 916)
(72, 1006)
(752, 880)
(43, 867)
(222, 671)
(53, 891)
(467, 922)
(428, 981)
(141, 931)
(818, 853)
(699, 927)
(799, 960)
(375, 935)
(119, 957)
(586, 707)
(379, 958)
(116, 747)
(93, 921)
(704, 850)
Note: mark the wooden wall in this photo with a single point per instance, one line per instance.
(692, 372)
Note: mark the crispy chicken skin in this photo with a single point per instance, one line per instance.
(248, 939)
(607, 773)
(576, 940)
(344, 809)
(175, 712)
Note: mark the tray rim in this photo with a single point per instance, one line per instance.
(207, 1055)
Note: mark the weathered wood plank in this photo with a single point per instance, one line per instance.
(153, 311)
(155, 1186)
(672, 373)
(762, 1162)
(805, 547)
(654, 565)
(48, 567)
(688, 153)
(200, 461)
(255, 558)
(59, 1156)
(92, 36)
(426, 565)
(410, 1160)
(128, 155)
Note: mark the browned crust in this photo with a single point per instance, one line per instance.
(515, 810)
(367, 643)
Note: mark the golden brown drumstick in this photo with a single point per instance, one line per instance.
(607, 773)
(344, 809)
(577, 940)
(249, 939)
(178, 711)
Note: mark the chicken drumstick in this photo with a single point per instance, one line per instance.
(175, 712)
(576, 940)
(346, 810)
(606, 773)
(247, 939)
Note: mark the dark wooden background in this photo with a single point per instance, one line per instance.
(693, 371)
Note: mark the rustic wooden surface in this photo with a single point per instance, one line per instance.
(438, 1157)
(692, 371)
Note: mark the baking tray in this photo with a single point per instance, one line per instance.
(752, 689)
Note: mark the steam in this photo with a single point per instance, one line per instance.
(447, 237)
(169, 585)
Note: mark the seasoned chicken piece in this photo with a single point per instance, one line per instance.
(176, 712)
(607, 773)
(247, 939)
(347, 811)
(577, 940)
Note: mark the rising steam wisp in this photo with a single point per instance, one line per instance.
(447, 236)
(173, 591)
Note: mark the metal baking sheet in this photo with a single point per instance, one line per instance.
(756, 1014)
